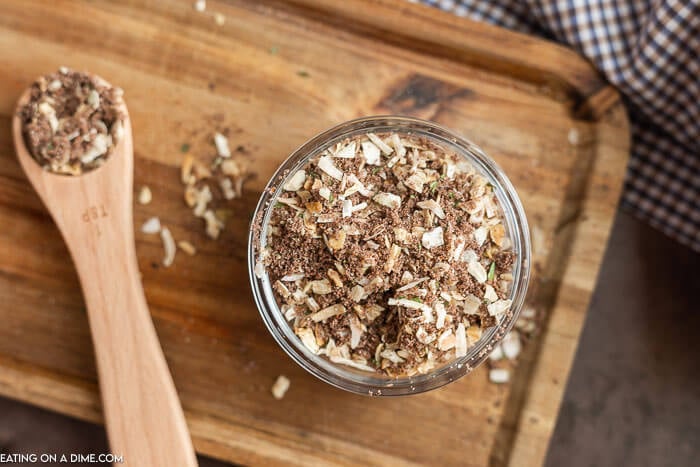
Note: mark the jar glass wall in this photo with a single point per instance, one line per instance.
(359, 381)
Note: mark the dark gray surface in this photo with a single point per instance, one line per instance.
(633, 398)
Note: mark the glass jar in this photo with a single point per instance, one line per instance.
(359, 381)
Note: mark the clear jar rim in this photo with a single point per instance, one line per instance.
(362, 382)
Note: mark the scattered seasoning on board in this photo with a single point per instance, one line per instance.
(209, 186)
(145, 196)
(280, 387)
(387, 253)
(72, 121)
(187, 247)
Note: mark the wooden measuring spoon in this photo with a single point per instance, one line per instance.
(93, 211)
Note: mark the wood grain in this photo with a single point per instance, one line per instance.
(184, 77)
(144, 418)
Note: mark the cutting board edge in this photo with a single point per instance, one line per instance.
(487, 46)
(530, 443)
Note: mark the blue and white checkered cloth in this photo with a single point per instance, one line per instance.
(650, 50)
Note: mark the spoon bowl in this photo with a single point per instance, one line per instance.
(93, 211)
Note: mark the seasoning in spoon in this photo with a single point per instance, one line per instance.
(388, 253)
(72, 121)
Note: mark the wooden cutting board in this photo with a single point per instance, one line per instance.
(275, 73)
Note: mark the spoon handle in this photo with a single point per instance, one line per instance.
(144, 419)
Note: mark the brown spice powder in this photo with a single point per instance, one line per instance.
(72, 121)
(387, 253)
